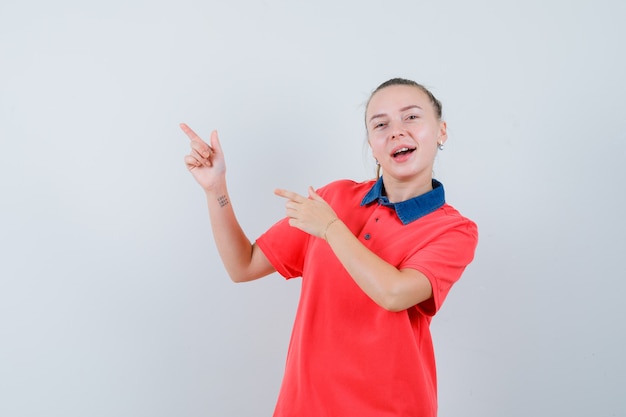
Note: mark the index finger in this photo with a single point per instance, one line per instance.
(290, 195)
(190, 133)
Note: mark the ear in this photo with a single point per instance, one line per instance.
(443, 132)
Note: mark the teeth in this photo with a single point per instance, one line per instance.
(401, 150)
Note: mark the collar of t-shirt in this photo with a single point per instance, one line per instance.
(411, 209)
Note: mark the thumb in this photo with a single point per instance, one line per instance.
(313, 195)
(215, 142)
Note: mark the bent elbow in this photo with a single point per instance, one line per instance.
(243, 276)
(396, 302)
(238, 278)
(390, 303)
(393, 307)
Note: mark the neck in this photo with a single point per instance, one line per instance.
(397, 191)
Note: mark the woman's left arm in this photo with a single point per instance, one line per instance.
(391, 288)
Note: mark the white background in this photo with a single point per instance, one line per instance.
(113, 301)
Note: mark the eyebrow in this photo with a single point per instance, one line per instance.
(412, 106)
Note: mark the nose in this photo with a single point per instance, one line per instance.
(396, 131)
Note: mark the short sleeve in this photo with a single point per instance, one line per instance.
(443, 260)
(285, 247)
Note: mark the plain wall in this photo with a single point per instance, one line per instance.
(113, 300)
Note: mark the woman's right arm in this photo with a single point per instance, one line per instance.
(243, 260)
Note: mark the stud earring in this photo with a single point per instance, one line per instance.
(440, 146)
(376, 160)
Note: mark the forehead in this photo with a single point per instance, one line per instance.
(396, 97)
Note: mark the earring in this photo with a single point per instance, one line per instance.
(440, 146)
(376, 160)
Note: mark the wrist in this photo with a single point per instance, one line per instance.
(218, 188)
(217, 195)
(330, 223)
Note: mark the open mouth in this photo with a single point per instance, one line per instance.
(402, 151)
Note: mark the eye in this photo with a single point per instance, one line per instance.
(379, 125)
(412, 117)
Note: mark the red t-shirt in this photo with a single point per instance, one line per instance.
(348, 357)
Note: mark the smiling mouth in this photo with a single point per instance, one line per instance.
(402, 151)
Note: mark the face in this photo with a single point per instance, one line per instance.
(403, 132)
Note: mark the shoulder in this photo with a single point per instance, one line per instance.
(345, 193)
(452, 213)
(448, 217)
(346, 186)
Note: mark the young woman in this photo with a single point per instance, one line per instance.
(377, 259)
